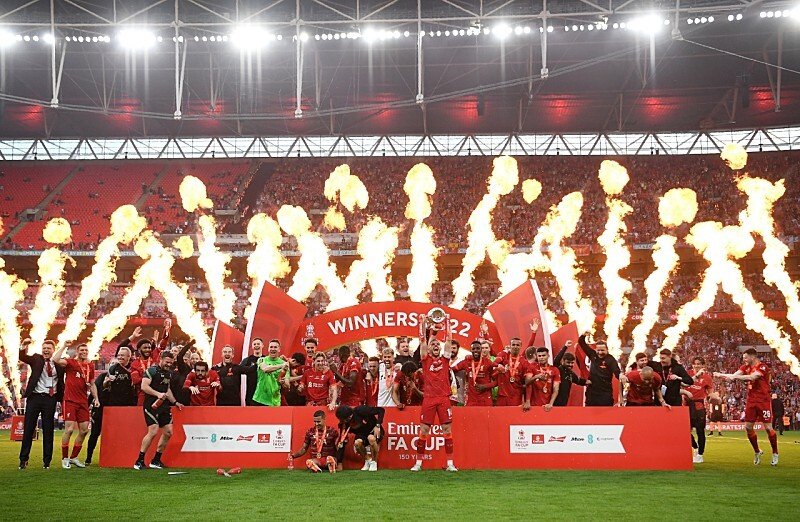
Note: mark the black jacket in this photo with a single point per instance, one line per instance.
(36, 362)
(364, 420)
(121, 391)
(249, 368)
(230, 378)
(568, 378)
(601, 371)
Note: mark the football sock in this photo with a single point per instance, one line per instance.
(157, 457)
(76, 450)
(753, 438)
(448, 445)
(141, 457)
(422, 448)
(773, 441)
(64, 451)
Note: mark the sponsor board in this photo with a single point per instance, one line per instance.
(237, 438)
(402, 439)
(733, 426)
(569, 438)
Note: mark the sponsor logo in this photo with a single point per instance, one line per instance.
(246, 438)
(537, 438)
(241, 438)
(561, 438)
(570, 438)
(213, 437)
(264, 438)
(590, 439)
(577, 439)
(225, 437)
(199, 438)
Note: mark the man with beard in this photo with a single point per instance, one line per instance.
(290, 379)
(602, 370)
(249, 368)
(565, 363)
(510, 374)
(543, 381)
(408, 386)
(352, 393)
(404, 352)
(157, 409)
(366, 425)
(118, 387)
(202, 384)
(321, 440)
(387, 369)
(319, 384)
(185, 360)
(478, 373)
(229, 392)
(371, 379)
(644, 388)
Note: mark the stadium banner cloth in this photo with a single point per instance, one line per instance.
(733, 426)
(484, 438)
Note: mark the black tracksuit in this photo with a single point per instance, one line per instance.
(568, 378)
(602, 371)
(230, 378)
(249, 368)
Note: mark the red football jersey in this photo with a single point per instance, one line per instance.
(641, 392)
(78, 379)
(406, 393)
(542, 390)
(370, 388)
(207, 395)
(352, 395)
(436, 376)
(318, 384)
(321, 444)
(701, 388)
(477, 372)
(758, 392)
(515, 367)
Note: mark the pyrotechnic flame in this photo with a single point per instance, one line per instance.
(757, 218)
(481, 239)
(193, 194)
(51, 282)
(266, 263)
(347, 189)
(721, 247)
(675, 207)
(531, 189)
(314, 266)
(559, 224)
(734, 155)
(126, 224)
(420, 185)
(185, 247)
(215, 265)
(613, 178)
(334, 219)
(13, 291)
(377, 244)
(213, 261)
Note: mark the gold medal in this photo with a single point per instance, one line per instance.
(512, 379)
(319, 455)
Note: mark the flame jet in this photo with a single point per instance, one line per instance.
(420, 185)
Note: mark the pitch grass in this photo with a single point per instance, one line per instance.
(726, 487)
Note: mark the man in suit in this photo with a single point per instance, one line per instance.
(44, 390)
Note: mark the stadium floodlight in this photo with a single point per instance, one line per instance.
(7, 39)
(502, 31)
(135, 38)
(249, 37)
(648, 24)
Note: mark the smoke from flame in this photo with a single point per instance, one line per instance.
(420, 185)
(481, 239)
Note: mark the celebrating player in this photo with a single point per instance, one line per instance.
(602, 370)
(435, 362)
(699, 390)
(407, 389)
(565, 361)
(509, 371)
(644, 388)
(322, 441)
(759, 404)
(158, 400)
(319, 385)
(542, 381)
(353, 391)
(78, 384)
(269, 368)
(479, 374)
(366, 425)
(203, 384)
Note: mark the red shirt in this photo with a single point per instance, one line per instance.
(542, 390)
(406, 393)
(758, 393)
(641, 392)
(700, 389)
(141, 366)
(370, 388)
(207, 395)
(477, 372)
(317, 385)
(436, 375)
(78, 379)
(515, 367)
(352, 395)
(322, 443)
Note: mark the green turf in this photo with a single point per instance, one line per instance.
(727, 486)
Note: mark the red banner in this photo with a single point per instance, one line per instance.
(387, 319)
(276, 316)
(513, 313)
(569, 332)
(225, 334)
(484, 438)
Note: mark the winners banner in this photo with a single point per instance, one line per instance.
(484, 438)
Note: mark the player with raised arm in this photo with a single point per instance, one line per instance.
(759, 403)
(435, 361)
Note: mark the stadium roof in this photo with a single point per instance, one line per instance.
(130, 68)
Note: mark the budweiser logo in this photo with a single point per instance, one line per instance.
(557, 439)
(241, 438)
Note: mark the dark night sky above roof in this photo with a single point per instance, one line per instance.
(599, 80)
